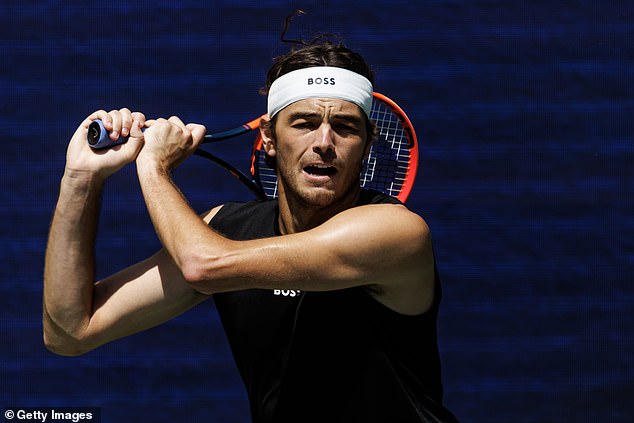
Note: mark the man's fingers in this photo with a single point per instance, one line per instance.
(135, 130)
(101, 115)
(197, 131)
(140, 117)
(115, 116)
(177, 121)
(126, 121)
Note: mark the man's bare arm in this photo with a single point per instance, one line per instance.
(78, 314)
(386, 247)
(69, 263)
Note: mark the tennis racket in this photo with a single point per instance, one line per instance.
(390, 167)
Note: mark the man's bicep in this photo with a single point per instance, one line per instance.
(380, 243)
(137, 298)
(368, 245)
(390, 250)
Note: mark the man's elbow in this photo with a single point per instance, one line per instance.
(63, 344)
(206, 275)
(194, 270)
(65, 349)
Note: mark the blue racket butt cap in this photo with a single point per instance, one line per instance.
(99, 138)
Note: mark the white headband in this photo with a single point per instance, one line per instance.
(325, 82)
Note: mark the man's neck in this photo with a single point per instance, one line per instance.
(297, 216)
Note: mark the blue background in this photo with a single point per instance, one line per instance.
(525, 117)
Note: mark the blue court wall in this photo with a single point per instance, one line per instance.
(525, 116)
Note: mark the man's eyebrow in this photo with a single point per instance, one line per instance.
(303, 115)
(353, 119)
(349, 117)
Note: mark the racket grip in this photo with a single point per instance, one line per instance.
(98, 137)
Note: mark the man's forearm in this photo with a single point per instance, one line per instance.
(69, 269)
(178, 227)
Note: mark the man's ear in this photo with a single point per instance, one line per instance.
(268, 136)
(368, 145)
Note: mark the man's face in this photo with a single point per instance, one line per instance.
(319, 147)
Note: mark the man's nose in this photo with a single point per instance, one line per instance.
(325, 139)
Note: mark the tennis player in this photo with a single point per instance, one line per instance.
(329, 295)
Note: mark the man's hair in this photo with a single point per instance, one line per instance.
(319, 52)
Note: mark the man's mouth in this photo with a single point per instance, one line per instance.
(320, 170)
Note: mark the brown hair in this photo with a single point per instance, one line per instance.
(320, 51)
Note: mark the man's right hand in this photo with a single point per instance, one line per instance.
(97, 165)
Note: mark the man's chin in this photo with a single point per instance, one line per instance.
(325, 197)
(319, 197)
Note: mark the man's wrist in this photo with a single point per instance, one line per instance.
(79, 190)
(150, 169)
(81, 179)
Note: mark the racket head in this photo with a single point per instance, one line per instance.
(391, 166)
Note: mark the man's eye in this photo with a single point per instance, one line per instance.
(346, 129)
(303, 125)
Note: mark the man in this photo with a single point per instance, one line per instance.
(353, 339)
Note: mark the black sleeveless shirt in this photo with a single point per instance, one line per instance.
(336, 356)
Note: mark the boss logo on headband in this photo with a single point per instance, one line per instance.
(321, 81)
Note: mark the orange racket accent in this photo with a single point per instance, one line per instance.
(412, 169)
(255, 123)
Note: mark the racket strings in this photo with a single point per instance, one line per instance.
(266, 175)
(387, 165)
